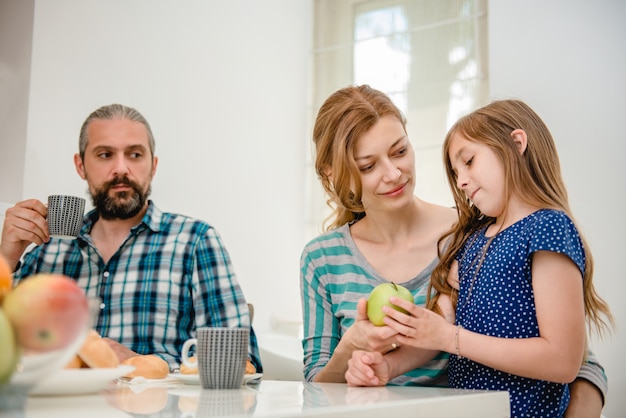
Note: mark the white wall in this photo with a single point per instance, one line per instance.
(567, 59)
(16, 31)
(225, 87)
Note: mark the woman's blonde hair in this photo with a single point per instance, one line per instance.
(343, 118)
(533, 176)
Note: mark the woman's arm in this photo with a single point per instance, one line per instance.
(586, 400)
(362, 335)
(371, 368)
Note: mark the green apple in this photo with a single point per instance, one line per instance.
(8, 349)
(379, 297)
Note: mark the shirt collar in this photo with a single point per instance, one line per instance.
(152, 220)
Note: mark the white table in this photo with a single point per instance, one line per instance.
(271, 399)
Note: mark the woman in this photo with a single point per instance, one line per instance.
(378, 232)
(367, 166)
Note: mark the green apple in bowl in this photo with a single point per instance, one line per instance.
(379, 297)
(8, 349)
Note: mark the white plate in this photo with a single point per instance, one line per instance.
(194, 379)
(79, 381)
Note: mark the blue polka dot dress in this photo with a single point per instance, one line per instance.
(500, 303)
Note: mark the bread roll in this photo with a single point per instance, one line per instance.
(96, 353)
(184, 369)
(76, 363)
(250, 369)
(148, 366)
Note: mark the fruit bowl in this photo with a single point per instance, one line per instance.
(46, 322)
(34, 365)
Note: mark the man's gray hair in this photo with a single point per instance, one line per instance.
(109, 112)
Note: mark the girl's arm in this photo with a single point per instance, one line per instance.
(556, 355)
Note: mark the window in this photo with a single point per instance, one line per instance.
(429, 56)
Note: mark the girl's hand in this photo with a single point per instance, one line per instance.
(419, 327)
(367, 369)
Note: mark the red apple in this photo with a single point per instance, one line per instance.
(48, 311)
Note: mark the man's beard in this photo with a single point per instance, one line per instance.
(122, 205)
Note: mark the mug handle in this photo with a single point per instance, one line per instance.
(185, 352)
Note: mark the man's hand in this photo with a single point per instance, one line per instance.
(121, 351)
(24, 223)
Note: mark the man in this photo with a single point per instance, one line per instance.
(159, 275)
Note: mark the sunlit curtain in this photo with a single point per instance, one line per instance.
(429, 56)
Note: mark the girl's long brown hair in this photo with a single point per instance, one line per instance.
(534, 177)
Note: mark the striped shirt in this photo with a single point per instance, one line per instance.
(334, 275)
(171, 275)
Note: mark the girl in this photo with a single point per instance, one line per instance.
(515, 267)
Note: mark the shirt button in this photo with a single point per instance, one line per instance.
(106, 274)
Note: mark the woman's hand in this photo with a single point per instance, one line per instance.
(363, 335)
(367, 368)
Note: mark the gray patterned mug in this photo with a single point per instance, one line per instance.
(65, 216)
(221, 355)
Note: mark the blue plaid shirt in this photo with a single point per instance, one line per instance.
(171, 275)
